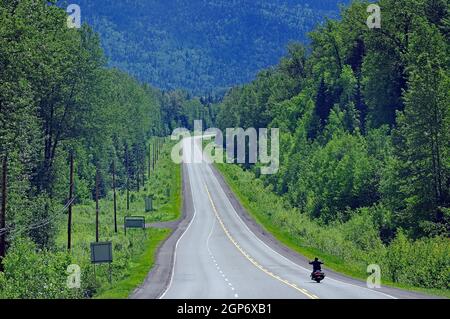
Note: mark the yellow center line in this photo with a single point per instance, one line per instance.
(247, 256)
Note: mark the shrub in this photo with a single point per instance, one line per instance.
(424, 262)
(35, 274)
(356, 242)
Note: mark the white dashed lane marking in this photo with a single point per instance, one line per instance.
(249, 258)
(215, 262)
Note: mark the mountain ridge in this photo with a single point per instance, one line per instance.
(202, 46)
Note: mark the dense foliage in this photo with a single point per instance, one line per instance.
(349, 246)
(364, 116)
(203, 46)
(57, 97)
(33, 272)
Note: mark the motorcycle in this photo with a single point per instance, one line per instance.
(318, 276)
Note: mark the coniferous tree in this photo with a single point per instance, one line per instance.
(423, 133)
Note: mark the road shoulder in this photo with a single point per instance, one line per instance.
(159, 276)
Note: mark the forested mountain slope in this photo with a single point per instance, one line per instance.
(59, 100)
(200, 45)
(364, 119)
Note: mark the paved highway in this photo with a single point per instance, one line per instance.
(217, 256)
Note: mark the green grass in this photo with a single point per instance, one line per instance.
(140, 265)
(294, 242)
(134, 253)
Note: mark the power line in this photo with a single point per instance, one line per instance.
(38, 224)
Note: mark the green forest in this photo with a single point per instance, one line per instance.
(59, 99)
(204, 46)
(364, 119)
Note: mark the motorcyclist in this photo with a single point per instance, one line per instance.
(316, 265)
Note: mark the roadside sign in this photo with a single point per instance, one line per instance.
(134, 222)
(101, 252)
(148, 204)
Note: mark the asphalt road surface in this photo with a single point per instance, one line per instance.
(218, 256)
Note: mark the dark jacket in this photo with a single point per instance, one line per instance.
(316, 265)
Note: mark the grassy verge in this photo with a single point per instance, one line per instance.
(139, 267)
(237, 180)
(134, 252)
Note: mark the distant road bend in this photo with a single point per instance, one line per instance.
(218, 255)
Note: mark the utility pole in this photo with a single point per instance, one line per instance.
(96, 204)
(3, 210)
(157, 153)
(153, 155)
(128, 177)
(143, 164)
(69, 220)
(138, 182)
(149, 162)
(114, 195)
(137, 170)
(143, 173)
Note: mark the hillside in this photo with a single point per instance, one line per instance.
(362, 167)
(201, 45)
(364, 123)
